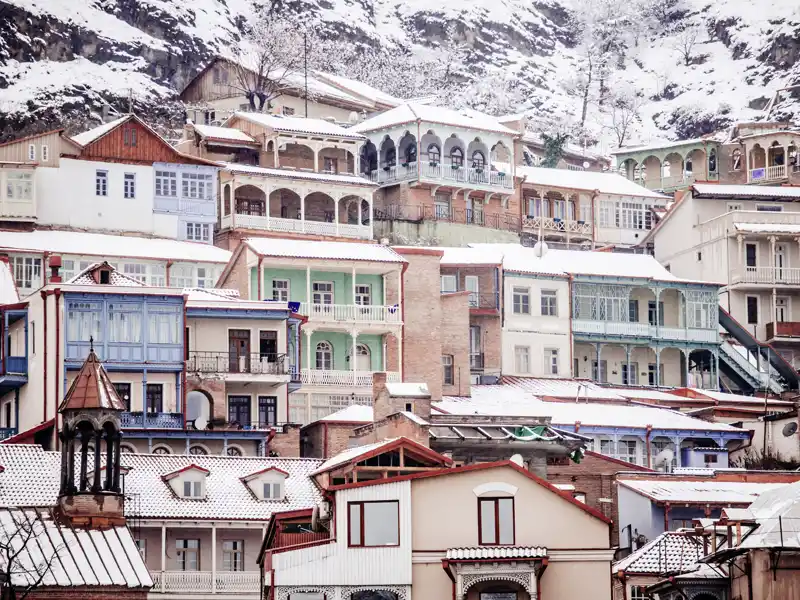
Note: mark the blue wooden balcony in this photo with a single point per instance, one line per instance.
(139, 420)
(7, 432)
(13, 373)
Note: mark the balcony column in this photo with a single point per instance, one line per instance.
(353, 355)
(686, 352)
(353, 276)
(308, 290)
(303, 195)
(213, 558)
(144, 398)
(336, 200)
(308, 333)
(657, 294)
(657, 350)
(775, 306)
(267, 191)
(598, 349)
(316, 160)
(715, 362)
(772, 240)
(628, 363)
(163, 554)
(740, 243)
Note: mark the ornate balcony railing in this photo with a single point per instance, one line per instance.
(636, 329)
(390, 173)
(505, 220)
(773, 173)
(17, 209)
(351, 313)
(222, 582)
(772, 275)
(551, 224)
(255, 363)
(282, 225)
(139, 420)
(346, 378)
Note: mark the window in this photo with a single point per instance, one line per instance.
(457, 157)
(27, 271)
(626, 450)
(267, 407)
(196, 186)
(45, 153)
(155, 398)
(129, 136)
(651, 374)
(607, 448)
(447, 367)
(129, 190)
(734, 206)
(478, 160)
(124, 392)
(164, 324)
(324, 356)
(769, 208)
(158, 275)
(639, 592)
(19, 186)
(363, 295)
(751, 254)
(137, 271)
(651, 313)
(434, 154)
(736, 160)
(124, 322)
(373, 524)
(602, 375)
(710, 458)
(287, 111)
(273, 491)
(448, 284)
(549, 306)
(322, 292)
(630, 376)
(551, 361)
(752, 310)
(632, 215)
(633, 311)
(83, 321)
(280, 290)
(330, 165)
(166, 183)
(522, 301)
(188, 553)
(31, 152)
(522, 359)
(141, 546)
(495, 521)
(205, 277)
(101, 183)
(607, 213)
(699, 256)
(192, 489)
(198, 232)
(233, 555)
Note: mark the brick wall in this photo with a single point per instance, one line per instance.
(214, 389)
(491, 341)
(85, 593)
(396, 425)
(297, 156)
(326, 439)
(238, 277)
(455, 341)
(287, 442)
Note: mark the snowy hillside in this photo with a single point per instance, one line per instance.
(62, 60)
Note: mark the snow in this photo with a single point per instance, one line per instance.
(412, 417)
(471, 256)
(408, 390)
(767, 228)
(298, 125)
(291, 248)
(338, 178)
(87, 137)
(412, 112)
(775, 532)
(733, 399)
(355, 413)
(712, 491)
(8, 286)
(733, 191)
(605, 183)
(222, 133)
(352, 453)
(670, 552)
(663, 145)
(101, 244)
(360, 89)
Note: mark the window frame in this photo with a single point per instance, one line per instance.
(518, 351)
(234, 555)
(524, 294)
(361, 529)
(448, 370)
(129, 186)
(279, 291)
(757, 308)
(551, 356)
(101, 183)
(182, 551)
(496, 501)
(551, 296)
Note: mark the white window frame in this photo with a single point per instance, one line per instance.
(182, 551)
(166, 184)
(233, 555)
(101, 183)
(193, 489)
(282, 289)
(197, 186)
(273, 490)
(198, 232)
(129, 186)
(315, 290)
(31, 151)
(363, 294)
(524, 294)
(769, 208)
(448, 370)
(444, 282)
(551, 361)
(45, 153)
(550, 308)
(522, 354)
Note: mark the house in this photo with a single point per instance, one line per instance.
(585, 208)
(158, 262)
(286, 176)
(121, 176)
(350, 297)
(13, 348)
(215, 93)
(387, 537)
(775, 438)
(181, 360)
(442, 174)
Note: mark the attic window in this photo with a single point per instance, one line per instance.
(273, 491)
(105, 276)
(129, 136)
(192, 489)
(267, 485)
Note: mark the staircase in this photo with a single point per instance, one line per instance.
(745, 374)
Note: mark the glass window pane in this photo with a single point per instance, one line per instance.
(487, 522)
(506, 512)
(381, 524)
(355, 524)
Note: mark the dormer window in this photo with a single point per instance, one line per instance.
(267, 485)
(188, 483)
(192, 489)
(273, 491)
(105, 276)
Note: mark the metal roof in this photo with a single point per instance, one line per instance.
(485, 552)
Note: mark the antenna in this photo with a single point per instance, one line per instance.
(91, 343)
(130, 101)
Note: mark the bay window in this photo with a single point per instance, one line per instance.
(197, 186)
(124, 322)
(164, 324)
(83, 321)
(495, 521)
(373, 524)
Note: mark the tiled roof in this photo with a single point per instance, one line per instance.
(355, 413)
(285, 248)
(712, 190)
(485, 552)
(712, 491)
(561, 388)
(299, 125)
(115, 277)
(670, 552)
(31, 477)
(68, 556)
(92, 388)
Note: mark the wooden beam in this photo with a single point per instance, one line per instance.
(389, 469)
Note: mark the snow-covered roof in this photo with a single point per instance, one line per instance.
(360, 89)
(772, 531)
(298, 174)
(8, 285)
(298, 125)
(87, 137)
(670, 552)
(286, 248)
(767, 228)
(355, 413)
(743, 191)
(408, 390)
(31, 477)
(115, 277)
(646, 394)
(662, 145)
(348, 455)
(103, 244)
(561, 388)
(502, 552)
(606, 183)
(411, 112)
(733, 399)
(712, 491)
(223, 133)
(509, 401)
(471, 256)
(68, 556)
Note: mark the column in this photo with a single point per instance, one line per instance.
(117, 458)
(628, 363)
(686, 353)
(658, 363)
(774, 306)
(336, 200)
(267, 192)
(308, 291)
(371, 221)
(303, 209)
(657, 293)
(772, 240)
(144, 399)
(316, 161)
(213, 558)
(740, 243)
(598, 348)
(715, 380)
(107, 485)
(98, 484)
(353, 356)
(353, 297)
(84, 459)
(163, 554)
(357, 160)
(308, 333)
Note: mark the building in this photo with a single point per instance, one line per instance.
(13, 348)
(119, 177)
(216, 92)
(387, 537)
(584, 208)
(350, 297)
(286, 176)
(445, 177)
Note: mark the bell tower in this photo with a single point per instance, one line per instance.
(90, 493)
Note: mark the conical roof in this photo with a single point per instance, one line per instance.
(92, 388)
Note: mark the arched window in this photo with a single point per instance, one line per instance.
(434, 154)
(391, 157)
(478, 160)
(410, 154)
(736, 160)
(198, 451)
(324, 356)
(665, 169)
(363, 361)
(127, 449)
(712, 161)
(161, 450)
(457, 157)
(687, 165)
(234, 451)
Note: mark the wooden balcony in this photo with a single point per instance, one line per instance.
(326, 377)
(200, 582)
(783, 329)
(556, 225)
(305, 226)
(351, 313)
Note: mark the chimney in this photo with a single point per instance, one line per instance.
(381, 402)
(55, 268)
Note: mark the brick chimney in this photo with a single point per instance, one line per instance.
(381, 401)
(55, 268)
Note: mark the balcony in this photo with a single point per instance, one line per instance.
(632, 329)
(762, 174)
(229, 364)
(282, 225)
(482, 178)
(554, 224)
(783, 329)
(351, 313)
(227, 582)
(767, 275)
(184, 206)
(162, 420)
(506, 221)
(476, 361)
(15, 365)
(343, 378)
(7, 432)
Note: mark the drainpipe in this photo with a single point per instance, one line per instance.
(647, 446)
(58, 362)
(44, 295)
(258, 275)
(594, 221)
(666, 516)
(571, 337)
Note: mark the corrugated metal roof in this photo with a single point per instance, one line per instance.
(286, 248)
(712, 491)
(755, 191)
(92, 389)
(299, 125)
(410, 112)
(305, 175)
(68, 557)
(606, 183)
(484, 552)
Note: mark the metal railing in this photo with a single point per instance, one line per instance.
(477, 300)
(487, 177)
(162, 420)
(637, 329)
(255, 363)
(345, 378)
(417, 213)
(771, 173)
(345, 313)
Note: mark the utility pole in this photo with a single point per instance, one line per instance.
(305, 67)
(130, 101)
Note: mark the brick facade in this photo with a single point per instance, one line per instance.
(455, 341)
(214, 389)
(86, 593)
(285, 443)
(393, 426)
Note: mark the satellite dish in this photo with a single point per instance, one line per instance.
(517, 460)
(790, 429)
(540, 249)
(200, 423)
(586, 164)
(665, 458)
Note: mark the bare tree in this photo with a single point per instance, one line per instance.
(684, 44)
(24, 561)
(624, 116)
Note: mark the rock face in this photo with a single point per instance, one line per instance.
(69, 61)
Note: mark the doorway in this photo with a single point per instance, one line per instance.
(239, 350)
